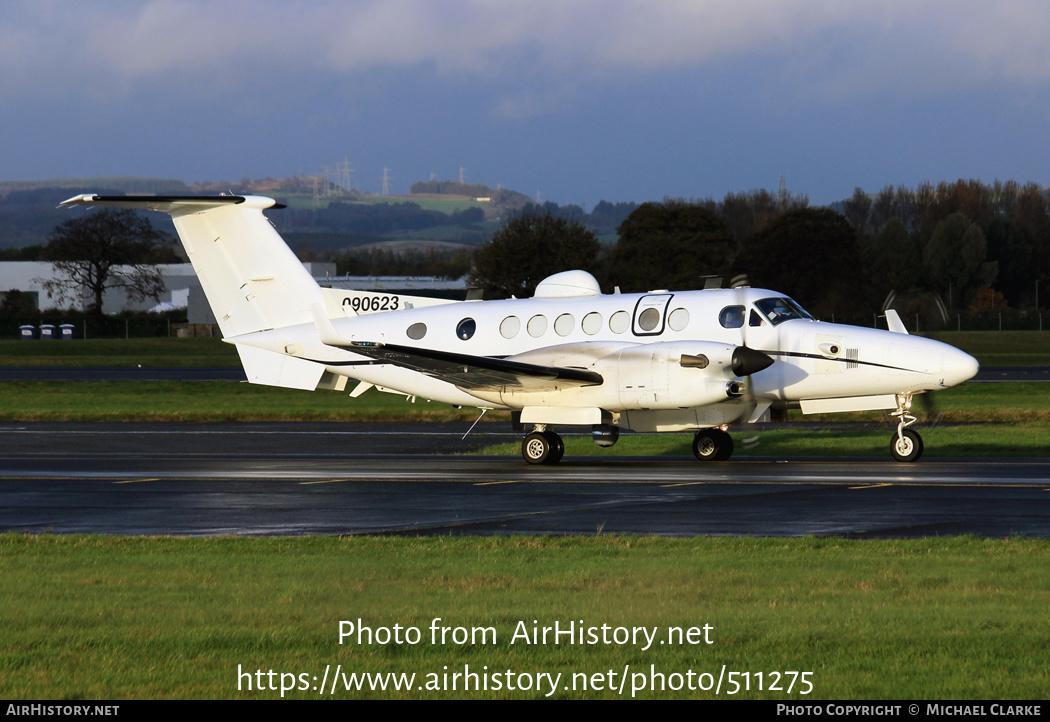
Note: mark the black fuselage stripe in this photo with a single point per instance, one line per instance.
(792, 354)
(819, 357)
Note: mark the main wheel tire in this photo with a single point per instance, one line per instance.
(712, 445)
(557, 447)
(536, 448)
(542, 447)
(907, 446)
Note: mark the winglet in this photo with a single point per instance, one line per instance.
(894, 323)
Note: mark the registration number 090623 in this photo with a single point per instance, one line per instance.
(368, 304)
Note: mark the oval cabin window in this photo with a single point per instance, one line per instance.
(592, 323)
(678, 319)
(537, 326)
(466, 328)
(649, 319)
(510, 327)
(564, 325)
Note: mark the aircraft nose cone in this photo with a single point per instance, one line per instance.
(958, 366)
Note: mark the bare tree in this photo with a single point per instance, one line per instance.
(857, 209)
(108, 248)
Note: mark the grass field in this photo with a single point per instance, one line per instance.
(156, 352)
(116, 618)
(1002, 348)
(1009, 419)
(141, 618)
(990, 348)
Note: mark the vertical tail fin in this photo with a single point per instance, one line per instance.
(252, 279)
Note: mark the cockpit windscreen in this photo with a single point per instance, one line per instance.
(778, 310)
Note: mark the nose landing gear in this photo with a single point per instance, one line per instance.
(906, 445)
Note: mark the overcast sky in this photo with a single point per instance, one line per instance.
(574, 100)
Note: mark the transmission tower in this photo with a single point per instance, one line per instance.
(346, 174)
(386, 181)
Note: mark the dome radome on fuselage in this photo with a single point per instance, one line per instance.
(568, 284)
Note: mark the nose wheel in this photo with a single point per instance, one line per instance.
(906, 445)
(542, 447)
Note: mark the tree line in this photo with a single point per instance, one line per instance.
(961, 245)
(953, 246)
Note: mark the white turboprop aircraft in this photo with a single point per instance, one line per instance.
(570, 355)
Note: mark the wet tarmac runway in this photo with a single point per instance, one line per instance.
(278, 479)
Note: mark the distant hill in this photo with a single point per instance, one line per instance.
(95, 185)
(498, 196)
(320, 216)
(29, 209)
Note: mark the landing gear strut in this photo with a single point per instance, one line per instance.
(542, 446)
(712, 445)
(906, 445)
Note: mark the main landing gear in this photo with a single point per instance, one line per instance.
(906, 445)
(542, 446)
(712, 445)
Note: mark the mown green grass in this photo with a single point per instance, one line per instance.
(1016, 402)
(199, 401)
(1002, 348)
(1008, 419)
(117, 618)
(990, 348)
(156, 352)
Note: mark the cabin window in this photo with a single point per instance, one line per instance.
(466, 328)
(564, 324)
(620, 322)
(678, 319)
(592, 323)
(417, 331)
(537, 326)
(649, 319)
(510, 327)
(731, 317)
(754, 319)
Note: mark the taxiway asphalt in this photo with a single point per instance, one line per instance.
(296, 478)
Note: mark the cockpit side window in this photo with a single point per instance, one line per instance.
(778, 310)
(731, 317)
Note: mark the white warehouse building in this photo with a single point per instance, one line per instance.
(182, 288)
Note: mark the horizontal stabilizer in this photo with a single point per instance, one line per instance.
(164, 204)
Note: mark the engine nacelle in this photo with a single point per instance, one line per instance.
(678, 374)
(665, 375)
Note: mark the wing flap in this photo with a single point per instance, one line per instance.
(476, 373)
